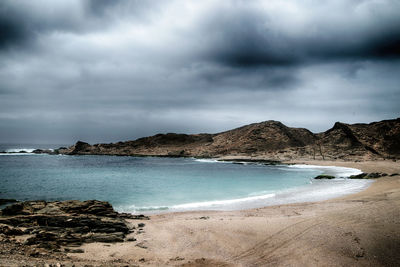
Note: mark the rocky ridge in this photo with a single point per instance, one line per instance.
(270, 139)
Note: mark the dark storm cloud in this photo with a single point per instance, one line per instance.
(377, 46)
(384, 46)
(23, 22)
(237, 34)
(114, 70)
(243, 36)
(10, 31)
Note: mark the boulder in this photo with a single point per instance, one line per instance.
(372, 175)
(359, 176)
(324, 176)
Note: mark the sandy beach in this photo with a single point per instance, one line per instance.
(362, 229)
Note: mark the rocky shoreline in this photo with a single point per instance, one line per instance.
(43, 229)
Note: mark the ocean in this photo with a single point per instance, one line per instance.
(158, 184)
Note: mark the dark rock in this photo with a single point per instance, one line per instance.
(105, 237)
(324, 176)
(141, 225)
(394, 174)
(41, 237)
(7, 200)
(95, 207)
(7, 230)
(44, 151)
(34, 253)
(13, 209)
(70, 250)
(359, 176)
(79, 147)
(53, 245)
(68, 223)
(372, 175)
(132, 216)
(142, 245)
(177, 258)
(73, 207)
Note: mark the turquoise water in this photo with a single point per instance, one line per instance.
(140, 184)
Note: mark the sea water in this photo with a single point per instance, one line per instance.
(156, 184)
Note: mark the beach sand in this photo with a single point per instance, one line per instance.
(362, 229)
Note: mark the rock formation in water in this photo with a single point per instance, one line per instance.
(269, 139)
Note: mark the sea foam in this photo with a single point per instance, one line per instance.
(339, 172)
(19, 150)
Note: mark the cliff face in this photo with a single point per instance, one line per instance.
(270, 139)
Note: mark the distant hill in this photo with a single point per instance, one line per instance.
(269, 139)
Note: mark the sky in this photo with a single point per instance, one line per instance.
(111, 70)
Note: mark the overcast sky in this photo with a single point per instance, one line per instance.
(104, 71)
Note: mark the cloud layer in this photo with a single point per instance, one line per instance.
(104, 71)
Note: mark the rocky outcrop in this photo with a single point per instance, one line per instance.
(269, 139)
(363, 141)
(51, 225)
(79, 147)
(372, 175)
(324, 176)
(4, 201)
(44, 151)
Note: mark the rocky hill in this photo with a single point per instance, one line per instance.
(270, 139)
(364, 141)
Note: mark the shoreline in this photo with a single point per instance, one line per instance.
(326, 189)
(257, 198)
(317, 163)
(317, 190)
(357, 229)
(334, 232)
